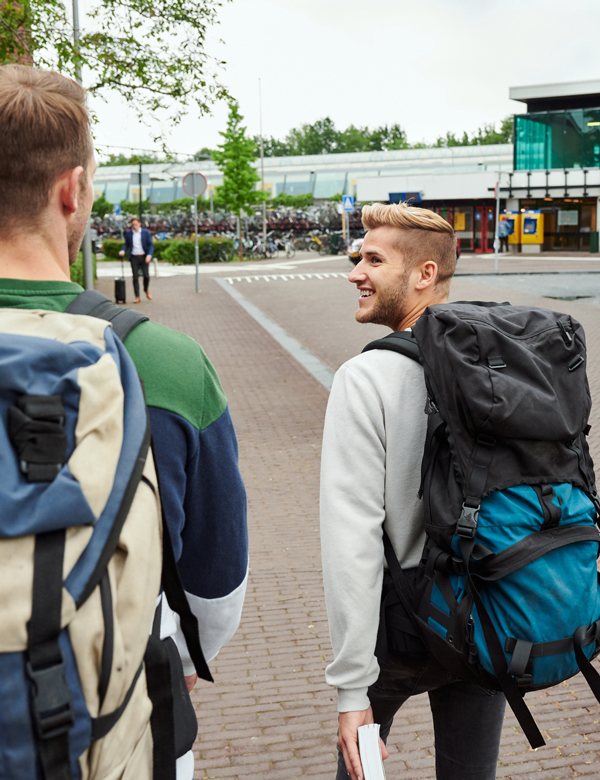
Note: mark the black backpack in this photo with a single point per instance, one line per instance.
(507, 593)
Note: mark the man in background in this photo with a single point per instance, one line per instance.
(139, 248)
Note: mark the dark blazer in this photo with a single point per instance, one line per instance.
(147, 244)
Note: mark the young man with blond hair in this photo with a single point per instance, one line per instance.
(371, 471)
(46, 194)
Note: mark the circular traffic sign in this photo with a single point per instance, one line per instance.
(194, 184)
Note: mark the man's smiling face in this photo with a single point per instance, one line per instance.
(381, 279)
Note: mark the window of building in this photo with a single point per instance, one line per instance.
(116, 191)
(558, 139)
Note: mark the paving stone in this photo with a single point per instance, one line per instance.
(269, 714)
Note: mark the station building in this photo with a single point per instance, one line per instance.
(552, 169)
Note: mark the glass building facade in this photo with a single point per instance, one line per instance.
(557, 139)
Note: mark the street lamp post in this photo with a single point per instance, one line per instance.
(140, 193)
(496, 236)
(86, 247)
(262, 166)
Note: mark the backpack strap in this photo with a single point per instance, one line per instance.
(94, 304)
(51, 699)
(402, 341)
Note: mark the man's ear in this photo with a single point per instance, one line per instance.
(427, 275)
(68, 190)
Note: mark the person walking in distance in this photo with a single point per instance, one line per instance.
(373, 443)
(139, 248)
(503, 234)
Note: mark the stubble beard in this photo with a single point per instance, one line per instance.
(389, 307)
(75, 237)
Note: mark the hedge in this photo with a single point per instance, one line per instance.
(77, 270)
(181, 251)
(177, 251)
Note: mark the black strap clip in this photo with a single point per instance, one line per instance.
(36, 427)
(52, 703)
(466, 527)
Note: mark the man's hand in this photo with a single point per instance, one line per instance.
(121, 253)
(349, 723)
(148, 258)
(190, 681)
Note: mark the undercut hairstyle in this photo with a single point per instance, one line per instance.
(422, 235)
(44, 132)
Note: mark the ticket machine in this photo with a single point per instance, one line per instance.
(532, 231)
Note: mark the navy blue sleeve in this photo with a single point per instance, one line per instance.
(204, 501)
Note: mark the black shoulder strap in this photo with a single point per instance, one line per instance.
(401, 341)
(94, 304)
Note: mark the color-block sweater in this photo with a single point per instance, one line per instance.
(196, 453)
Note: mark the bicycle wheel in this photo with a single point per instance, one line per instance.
(290, 251)
(324, 249)
(315, 246)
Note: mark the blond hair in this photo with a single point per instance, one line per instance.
(422, 235)
(44, 132)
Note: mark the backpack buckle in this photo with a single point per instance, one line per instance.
(466, 527)
(51, 700)
(524, 680)
(36, 428)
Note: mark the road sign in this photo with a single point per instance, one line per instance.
(117, 209)
(348, 201)
(194, 184)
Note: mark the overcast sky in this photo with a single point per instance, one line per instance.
(429, 65)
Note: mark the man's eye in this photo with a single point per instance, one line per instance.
(375, 260)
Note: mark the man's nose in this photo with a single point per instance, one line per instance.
(357, 274)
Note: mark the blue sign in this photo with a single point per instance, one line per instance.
(404, 197)
(348, 201)
(117, 209)
(162, 236)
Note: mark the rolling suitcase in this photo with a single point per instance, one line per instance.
(120, 290)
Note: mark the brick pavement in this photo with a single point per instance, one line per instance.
(269, 714)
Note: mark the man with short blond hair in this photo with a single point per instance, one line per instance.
(371, 472)
(46, 195)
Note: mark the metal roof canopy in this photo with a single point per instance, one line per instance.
(549, 97)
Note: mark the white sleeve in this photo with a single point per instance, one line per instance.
(352, 515)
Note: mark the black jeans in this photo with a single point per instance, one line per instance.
(504, 243)
(467, 720)
(138, 263)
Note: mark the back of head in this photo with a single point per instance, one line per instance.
(422, 235)
(45, 131)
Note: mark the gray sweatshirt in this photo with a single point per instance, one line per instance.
(371, 470)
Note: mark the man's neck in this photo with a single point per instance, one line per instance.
(409, 319)
(31, 257)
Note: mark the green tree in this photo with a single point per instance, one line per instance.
(125, 46)
(319, 138)
(384, 138)
(134, 159)
(234, 157)
(101, 207)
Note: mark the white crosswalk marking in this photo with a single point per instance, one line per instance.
(284, 277)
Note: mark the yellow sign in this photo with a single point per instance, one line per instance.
(459, 221)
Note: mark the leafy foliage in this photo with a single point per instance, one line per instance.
(76, 270)
(234, 158)
(135, 159)
(101, 207)
(295, 201)
(322, 137)
(181, 251)
(151, 52)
